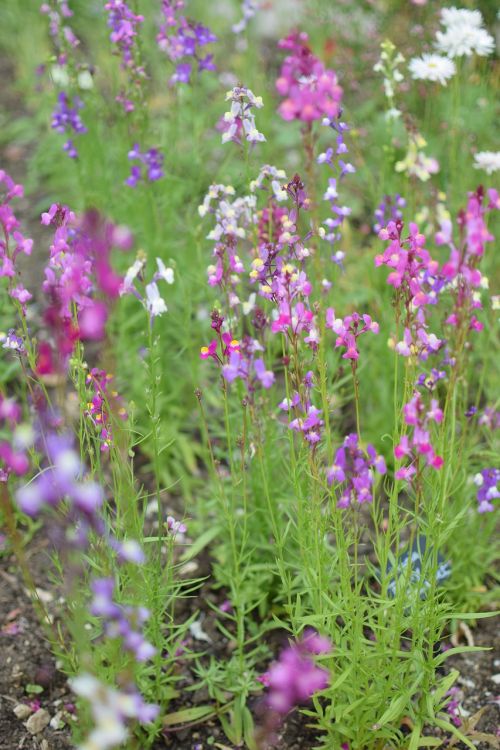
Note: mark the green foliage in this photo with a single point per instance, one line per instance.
(282, 552)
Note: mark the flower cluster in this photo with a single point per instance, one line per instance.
(237, 359)
(240, 119)
(331, 157)
(309, 423)
(463, 34)
(348, 331)
(66, 119)
(308, 417)
(233, 217)
(461, 272)
(353, 468)
(79, 265)
(63, 485)
(13, 242)
(58, 11)
(111, 712)
(119, 621)
(295, 677)
(415, 278)
(249, 9)
(123, 24)
(243, 364)
(418, 443)
(13, 451)
(278, 269)
(273, 177)
(416, 163)
(486, 481)
(388, 66)
(151, 298)
(102, 404)
(487, 160)
(175, 527)
(146, 166)
(181, 39)
(311, 91)
(490, 418)
(453, 707)
(429, 380)
(61, 481)
(12, 342)
(278, 276)
(389, 209)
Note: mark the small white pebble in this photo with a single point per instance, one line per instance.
(22, 711)
(466, 682)
(57, 721)
(38, 721)
(197, 632)
(45, 596)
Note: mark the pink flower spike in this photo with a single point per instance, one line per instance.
(403, 448)
(405, 473)
(21, 294)
(437, 462)
(435, 412)
(92, 321)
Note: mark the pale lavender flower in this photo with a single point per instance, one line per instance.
(111, 712)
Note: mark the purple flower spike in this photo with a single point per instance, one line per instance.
(355, 467)
(181, 38)
(66, 119)
(121, 621)
(486, 482)
(150, 167)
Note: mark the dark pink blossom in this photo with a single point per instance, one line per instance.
(295, 677)
(311, 91)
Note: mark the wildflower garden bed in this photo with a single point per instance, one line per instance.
(248, 375)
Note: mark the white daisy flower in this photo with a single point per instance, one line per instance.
(432, 68)
(464, 34)
(487, 160)
(458, 41)
(461, 16)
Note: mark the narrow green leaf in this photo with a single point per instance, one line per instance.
(201, 542)
(415, 737)
(454, 730)
(249, 729)
(430, 742)
(338, 682)
(394, 711)
(187, 715)
(469, 615)
(458, 650)
(445, 685)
